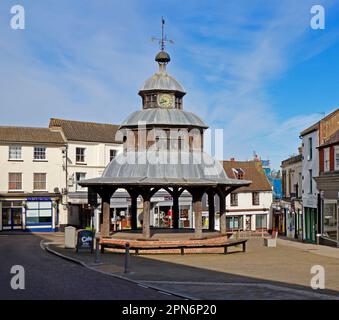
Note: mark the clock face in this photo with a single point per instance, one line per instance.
(165, 100)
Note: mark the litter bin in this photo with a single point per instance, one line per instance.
(70, 237)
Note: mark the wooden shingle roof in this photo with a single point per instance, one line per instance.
(252, 170)
(85, 131)
(30, 135)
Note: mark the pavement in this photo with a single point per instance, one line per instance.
(277, 273)
(47, 276)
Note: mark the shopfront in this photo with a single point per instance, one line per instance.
(39, 214)
(35, 214)
(12, 215)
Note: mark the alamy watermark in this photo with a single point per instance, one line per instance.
(318, 280)
(318, 19)
(18, 280)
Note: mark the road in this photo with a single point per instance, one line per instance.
(50, 277)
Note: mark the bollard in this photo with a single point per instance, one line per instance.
(97, 257)
(126, 258)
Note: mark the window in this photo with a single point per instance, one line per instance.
(255, 198)
(38, 212)
(80, 155)
(112, 154)
(310, 181)
(261, 221)
(14, 181)
(80, 176)
(234, 199)
(327, 159)
(310, 147)
(330, 220)
(239, 173)
(39, 153)
(336, 158)
(234, 223)
(14, 153)
(39, 181)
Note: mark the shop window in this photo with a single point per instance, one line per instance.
(38, 212)
(234, 223)
(14, 181)
(14, 153)
(330, 220)
(261, 221)
(234, 199)
(80, 155)
(255, 198)
(39, 153)
(39, 181)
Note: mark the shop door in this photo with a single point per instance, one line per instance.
(11, 218)
(310, 224)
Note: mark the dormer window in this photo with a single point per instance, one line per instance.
(238, 173)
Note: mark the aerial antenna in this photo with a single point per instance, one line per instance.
(163, 40)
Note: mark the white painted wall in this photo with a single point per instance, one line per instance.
(245, 203)
(97, 156)
(52, 166)
(310, 199)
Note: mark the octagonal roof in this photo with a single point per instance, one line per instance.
(164, 117)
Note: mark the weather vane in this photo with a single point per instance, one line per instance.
(162, 41)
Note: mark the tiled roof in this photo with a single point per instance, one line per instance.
(252, 171)
(85, 131)
(30, 135)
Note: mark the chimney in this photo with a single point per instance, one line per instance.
(232, 159)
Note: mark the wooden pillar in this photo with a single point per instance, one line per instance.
(134, 209)
(105, 212)
(146, 230)
(197, 208)
(134, 192)
(175, 211)
(222, 205)
(211, 210)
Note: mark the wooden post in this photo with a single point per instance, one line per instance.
(134, 193)
(106, 219)
(211, 211)
(134, 208)
(197, 208)
(175, 211)
(222, 205)
(146, 230)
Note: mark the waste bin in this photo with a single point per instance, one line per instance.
(70, 237)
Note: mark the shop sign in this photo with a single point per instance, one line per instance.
(38, 198)
(85, 240)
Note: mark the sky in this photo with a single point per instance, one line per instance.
(255, 69)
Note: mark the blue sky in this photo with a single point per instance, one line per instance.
(254, 68)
